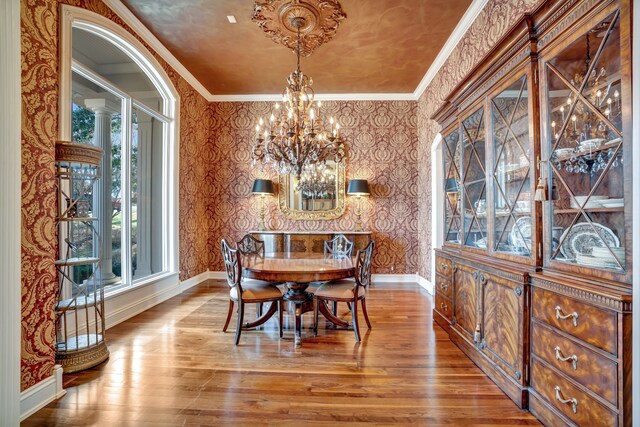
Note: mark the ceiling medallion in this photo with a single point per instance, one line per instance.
(281, 19)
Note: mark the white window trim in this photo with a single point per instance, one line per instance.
(10, 192)
(437, 201)
(75, 17)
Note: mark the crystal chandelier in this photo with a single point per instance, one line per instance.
(296, 138)
(317, 182)
(584, 124)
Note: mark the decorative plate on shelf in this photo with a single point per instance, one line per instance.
(612, 203)
(581, 239)
(522, 238)
(591, 144)
(561, 152)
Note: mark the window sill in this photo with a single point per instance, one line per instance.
(120, 289)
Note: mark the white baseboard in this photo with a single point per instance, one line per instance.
(375, 278)
(393, 278)
(40, 395)
(195, 280)
(426, 284)
(217, 275)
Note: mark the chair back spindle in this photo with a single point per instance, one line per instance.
(338, 247)
(232, 266)
(363, 265)
(249, 245)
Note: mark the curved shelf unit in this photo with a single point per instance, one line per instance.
(80, 322)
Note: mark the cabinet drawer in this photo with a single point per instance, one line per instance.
(444, 306)
(443, 266)
(589, 323)
(444, 287)
(590, 369)
(581, 408)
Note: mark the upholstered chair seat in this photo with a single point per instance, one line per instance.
(256, 292)
(342, 289)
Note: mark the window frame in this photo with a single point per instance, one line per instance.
(74, 17)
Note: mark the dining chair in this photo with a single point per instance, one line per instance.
(349, 290)
(338, 247)
(250, 246)
(247, 293)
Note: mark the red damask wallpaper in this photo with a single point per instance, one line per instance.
(497, 17)
(382, 144)
(39, 21)
(390, 145)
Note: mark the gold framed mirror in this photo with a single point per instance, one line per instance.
(318, 195)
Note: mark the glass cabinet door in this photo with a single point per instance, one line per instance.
(452, 226)
(585, 141)
(474, 206)
(511, 171)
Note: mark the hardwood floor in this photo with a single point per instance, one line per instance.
(173, 365)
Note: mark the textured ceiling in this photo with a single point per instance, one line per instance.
(384, 46)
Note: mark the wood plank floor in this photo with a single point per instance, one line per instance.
(172, 365)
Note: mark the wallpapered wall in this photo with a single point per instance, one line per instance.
(39, 22)
(382, 144)
(497, 17)
(390, 146)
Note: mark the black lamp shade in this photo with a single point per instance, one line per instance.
(358, 187)
(451, 186)
(262, 186)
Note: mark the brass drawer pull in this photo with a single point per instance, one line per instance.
(573, 358)
(573, 401)
(444, 307)
(444, 286)
(443, 266)
(566, 316)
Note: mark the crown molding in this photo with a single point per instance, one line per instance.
(141, 30)
(319, 97)
(467, 19)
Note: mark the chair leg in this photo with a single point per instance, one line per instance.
(240, 319)
(316, 302)
(281, 310)
(349, 305)
(364, 311)
(335, 308)
(354, 315)
(259, 311)
(226, 324)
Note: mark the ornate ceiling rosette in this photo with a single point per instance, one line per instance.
(318, 21)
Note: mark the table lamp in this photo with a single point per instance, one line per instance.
(358, 188)
(262, 187)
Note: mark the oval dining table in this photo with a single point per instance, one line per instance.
(297, 272)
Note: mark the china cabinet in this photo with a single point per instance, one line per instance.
(533, 280)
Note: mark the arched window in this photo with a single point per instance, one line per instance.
(115, 95)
